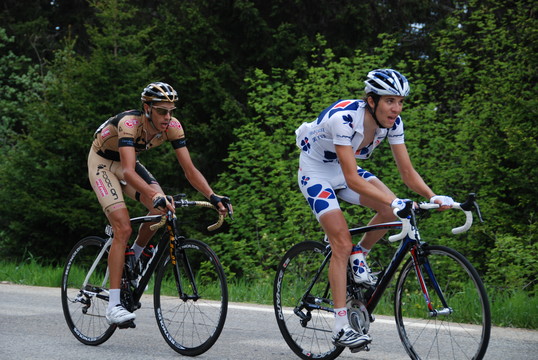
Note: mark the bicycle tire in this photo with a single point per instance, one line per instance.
(462, 334)
(307, 339)
(85, 311)
(191, 326)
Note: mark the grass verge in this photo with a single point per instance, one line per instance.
(508, 308)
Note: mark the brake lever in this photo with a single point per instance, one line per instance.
(477, 209)
(229, 209)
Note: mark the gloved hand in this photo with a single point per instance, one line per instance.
(162, 202)
(444, 200)
(216, 199)
(399, 203)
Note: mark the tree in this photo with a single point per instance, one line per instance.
(45, 168)
(271, 214)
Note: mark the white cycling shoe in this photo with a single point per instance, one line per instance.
(349, 337)
(118, 315)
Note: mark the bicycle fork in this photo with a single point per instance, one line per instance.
(420, 261)
(179, 260)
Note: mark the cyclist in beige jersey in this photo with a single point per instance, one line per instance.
(114, 170)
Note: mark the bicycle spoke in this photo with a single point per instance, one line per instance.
(191, 299)
(84, 307)
(460, 325)
(308, 332)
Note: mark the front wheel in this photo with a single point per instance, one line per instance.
(458, 324)
(305, 317)
(191, 298)
(85, 291)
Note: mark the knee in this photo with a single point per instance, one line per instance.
(122, 232)
(386, 213)
(341, 245)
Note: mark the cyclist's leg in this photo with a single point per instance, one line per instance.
(144, 232)
(121, 225)
(383, 212)
(104, 176)
(335, 226)
(320, 194)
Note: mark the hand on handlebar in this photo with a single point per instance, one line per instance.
(445, 202)
(402, 207)
(223, 204)
(163, 202)
(399, 204)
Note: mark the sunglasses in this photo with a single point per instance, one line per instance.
(163, 111)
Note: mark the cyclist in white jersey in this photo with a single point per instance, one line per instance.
(345, 131)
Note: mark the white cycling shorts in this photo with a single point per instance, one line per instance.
(322, 191)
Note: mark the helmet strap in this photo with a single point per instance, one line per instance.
(148, 116)
(372, 111)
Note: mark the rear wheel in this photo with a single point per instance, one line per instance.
(191, 298)
(460, 323)
(84, 303)
(305, 325)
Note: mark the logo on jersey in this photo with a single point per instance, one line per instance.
(348, 120)
(131, 123)
(105, 132)
(174, 124)
(346, 105)
(305, 144)
(318, 197)
(305, 180)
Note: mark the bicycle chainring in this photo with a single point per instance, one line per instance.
(358, 316)
(126, 295)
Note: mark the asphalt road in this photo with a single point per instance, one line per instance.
(32, 326)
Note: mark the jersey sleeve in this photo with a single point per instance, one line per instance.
(341, 127)
(176, 134)
(127, 128)
(396, 133)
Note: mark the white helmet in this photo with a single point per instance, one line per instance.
(386, 82)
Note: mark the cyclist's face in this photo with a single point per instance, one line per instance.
(161, 114)
(388, 109)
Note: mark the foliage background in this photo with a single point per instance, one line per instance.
(248, 73)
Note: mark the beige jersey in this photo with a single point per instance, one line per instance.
(129, 129)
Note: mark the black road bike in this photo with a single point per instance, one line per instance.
(440, 304)
(190, 293)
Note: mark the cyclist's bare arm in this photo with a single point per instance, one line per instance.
(354, 181)
(128, 163)
(197, 179)
(409, 175)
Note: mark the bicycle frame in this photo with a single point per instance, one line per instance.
(446, 316)
(409, 244)
(167, 241)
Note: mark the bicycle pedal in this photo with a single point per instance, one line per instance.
(127, 325)
(365, 347)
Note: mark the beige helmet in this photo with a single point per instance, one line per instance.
(159, 92)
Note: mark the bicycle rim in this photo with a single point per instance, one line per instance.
(192, 319)
(307, 331)
(461, 334)
(85, 308)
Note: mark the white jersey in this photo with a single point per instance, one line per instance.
(342, 123)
